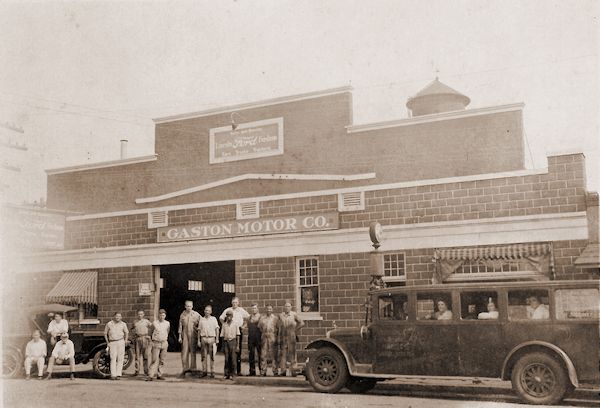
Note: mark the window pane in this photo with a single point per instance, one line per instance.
(479, 305)
(577, 304)
(434, 306)
(393, 307)
(528, 305)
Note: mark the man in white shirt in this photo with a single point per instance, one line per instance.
(63, 351)
(116, 334)
(208, 335)
(56, 327)
(239, 318)
(35, 352)
(160, 336)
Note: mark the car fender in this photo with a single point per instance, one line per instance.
(328, 342)
(15, 348)
(565, 359)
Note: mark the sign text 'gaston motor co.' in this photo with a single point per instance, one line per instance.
(262, 226)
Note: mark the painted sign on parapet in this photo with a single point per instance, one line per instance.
(248, 141)
(259, 226)
(32, 228)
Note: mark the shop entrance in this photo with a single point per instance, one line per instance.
(208, 283)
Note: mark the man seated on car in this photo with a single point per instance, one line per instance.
(64, 351)
(56, 327)
(35, 353)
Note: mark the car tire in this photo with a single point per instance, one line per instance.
(539, 379)
(327, 370)
(101, 362)
(12, 362)
(360, 385)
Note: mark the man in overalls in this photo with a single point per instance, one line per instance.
(269, 329)
(188, 337)
(254, 338)
(290, 324)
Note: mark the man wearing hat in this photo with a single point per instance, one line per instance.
(63, 351)
(239, 318)
(229, 333)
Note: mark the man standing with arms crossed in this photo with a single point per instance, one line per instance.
(143, 344)
(188, 337)
(239, 317)
(116, 334)
(208, 335)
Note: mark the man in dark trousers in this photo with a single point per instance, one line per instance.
(254, 335)
(229, 334)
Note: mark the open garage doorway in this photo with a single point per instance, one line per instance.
(208, 283)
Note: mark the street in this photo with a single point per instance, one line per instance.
(131, 392)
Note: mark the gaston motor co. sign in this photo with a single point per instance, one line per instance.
(262, 226)
(248, 141)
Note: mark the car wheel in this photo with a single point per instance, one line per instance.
(11, 363)
(539, 379)
(327, 370)
(360, 385)
(101, 363)
(128, 358)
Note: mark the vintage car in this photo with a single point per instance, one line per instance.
(89, 345)
(542, 336)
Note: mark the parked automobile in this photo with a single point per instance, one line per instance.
(542, 336)
(90, 345)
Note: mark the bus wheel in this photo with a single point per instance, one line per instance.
(539, 379)
(327, 370)
(360, 385)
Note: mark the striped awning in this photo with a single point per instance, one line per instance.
(513, 251)
(75, 287)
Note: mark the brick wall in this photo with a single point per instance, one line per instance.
(561, 190)
(343, 285)
(565, 255)
(118, 291)
(24, 290)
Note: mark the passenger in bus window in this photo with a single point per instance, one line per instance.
(401, 313)
(443, 312)
(492, 311)
(539, 311)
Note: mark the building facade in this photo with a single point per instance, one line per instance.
(272, 201)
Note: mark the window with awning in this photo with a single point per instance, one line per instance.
(78, 288)
(523, 260)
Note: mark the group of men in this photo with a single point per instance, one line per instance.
(149, 339)
(62, 353)
(270, 338)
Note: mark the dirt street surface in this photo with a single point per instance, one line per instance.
(264, 392)
(82, 393)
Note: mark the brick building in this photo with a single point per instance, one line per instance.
(272, 201)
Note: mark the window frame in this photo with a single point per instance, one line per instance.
(394, 278)
(307, 315)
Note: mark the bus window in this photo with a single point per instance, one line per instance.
(528, 305)
(393, 307)
(434, 306)
(479, 305)
(577, 303)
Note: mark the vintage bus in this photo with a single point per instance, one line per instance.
(542, 336)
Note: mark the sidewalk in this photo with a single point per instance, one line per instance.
(172, 372)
